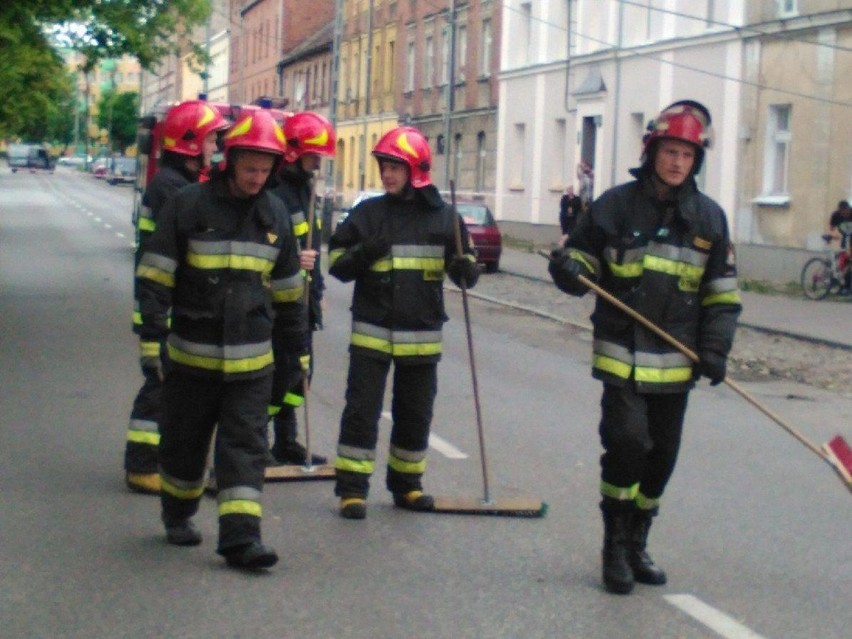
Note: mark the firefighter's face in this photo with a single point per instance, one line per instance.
(674, 161)
(394, 176)
(310, 162)
(251, 169)
(208, 148)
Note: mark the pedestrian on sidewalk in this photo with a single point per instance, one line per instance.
(662, 247)
(840, 229)
(570, 206)
(396, 248)
(188, 143)
(310, 137)
(223, 268)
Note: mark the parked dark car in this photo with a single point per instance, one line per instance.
(122, 171)
(483, 229)
(100, 167)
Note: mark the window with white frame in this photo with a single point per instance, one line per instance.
(409, 67)
(525, 44)
(445, 55)
(787, 8)
(777, 151)
(486, 43)
(428, 62)
(461, 52)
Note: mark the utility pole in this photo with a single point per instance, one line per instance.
(335, 79)
(450, 99)
(367, 95)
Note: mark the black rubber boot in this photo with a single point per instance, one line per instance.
(251, 556)
(415, 500)
(617, 574)
(644, 569)
(182, 532)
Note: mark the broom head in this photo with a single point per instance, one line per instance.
(299, 473)
(839, 455)
(515, 507)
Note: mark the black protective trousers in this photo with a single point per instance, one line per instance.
(193, 407)
(140, 451)
(641, 434)
(414, 389)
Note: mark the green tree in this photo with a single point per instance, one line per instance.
(99, 29)
(118, 114)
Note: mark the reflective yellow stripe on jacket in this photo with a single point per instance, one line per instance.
(241, 358)
(396, 343)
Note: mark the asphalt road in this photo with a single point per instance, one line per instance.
(754, 530)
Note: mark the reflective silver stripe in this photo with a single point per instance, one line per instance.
(226, 352)
(298, 218)
(407, 455)
(292, 283)
(246, 493)
(677, 253)
(661, 360)
(722, 285)
(613, 350)
(160, 262)
(183, 484)
(253, 249)
(353, 452)
(417, 250)
(395, 337)
(144, 425)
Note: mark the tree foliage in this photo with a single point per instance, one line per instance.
(33, 73)
(118, 114)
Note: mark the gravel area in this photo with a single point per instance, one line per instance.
(756, 355)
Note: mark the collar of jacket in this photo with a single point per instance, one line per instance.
(684, 196)
(259, 204)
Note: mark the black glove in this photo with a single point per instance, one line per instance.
(712, 366)
(563, 270)
(463, 268)
(375, 247)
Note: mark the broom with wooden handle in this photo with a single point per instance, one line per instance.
(308, 471)
(518, 506)
(836, 453)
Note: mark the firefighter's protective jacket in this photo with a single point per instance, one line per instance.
(671, 261)
(294, 188)
(398, 301)
(228, 268)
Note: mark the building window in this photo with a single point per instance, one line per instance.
(461, 52)
(428, 59)
(787, 8)
(480, 162)
(485, 56)
(409, 67)
(777, 153)
(519, 143)
(445, 55)
(525, 43)
(439, 145)
(457, 143)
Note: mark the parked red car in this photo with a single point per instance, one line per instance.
(484, 231)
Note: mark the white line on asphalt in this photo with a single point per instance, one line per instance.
(438, 443)
(119, 234)
(714, 619)
(107, 226)
(97, 219)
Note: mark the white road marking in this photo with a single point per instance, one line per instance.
(119, 234)
(107, 226)
(714, 619)
(439, 444)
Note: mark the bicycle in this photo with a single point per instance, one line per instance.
(823, 275)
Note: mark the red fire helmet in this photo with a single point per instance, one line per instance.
(187, 124)
(256, 131)
(407, 145)
(685, 120)
(308, 132)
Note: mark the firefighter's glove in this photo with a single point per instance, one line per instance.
(563, 270)
(463, 269)
(712, 366)
(375, 247)
(150, 360)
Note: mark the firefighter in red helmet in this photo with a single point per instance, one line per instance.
(396, 248)
(662, 247)
(223, 268)
(188, 143)
(309, 137)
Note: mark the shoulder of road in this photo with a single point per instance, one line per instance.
(827, 321)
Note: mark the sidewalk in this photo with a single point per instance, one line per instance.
(826, 321)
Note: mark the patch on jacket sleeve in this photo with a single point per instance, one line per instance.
(272, 238)
(701, 244)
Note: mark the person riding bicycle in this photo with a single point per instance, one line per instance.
(840, 228)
